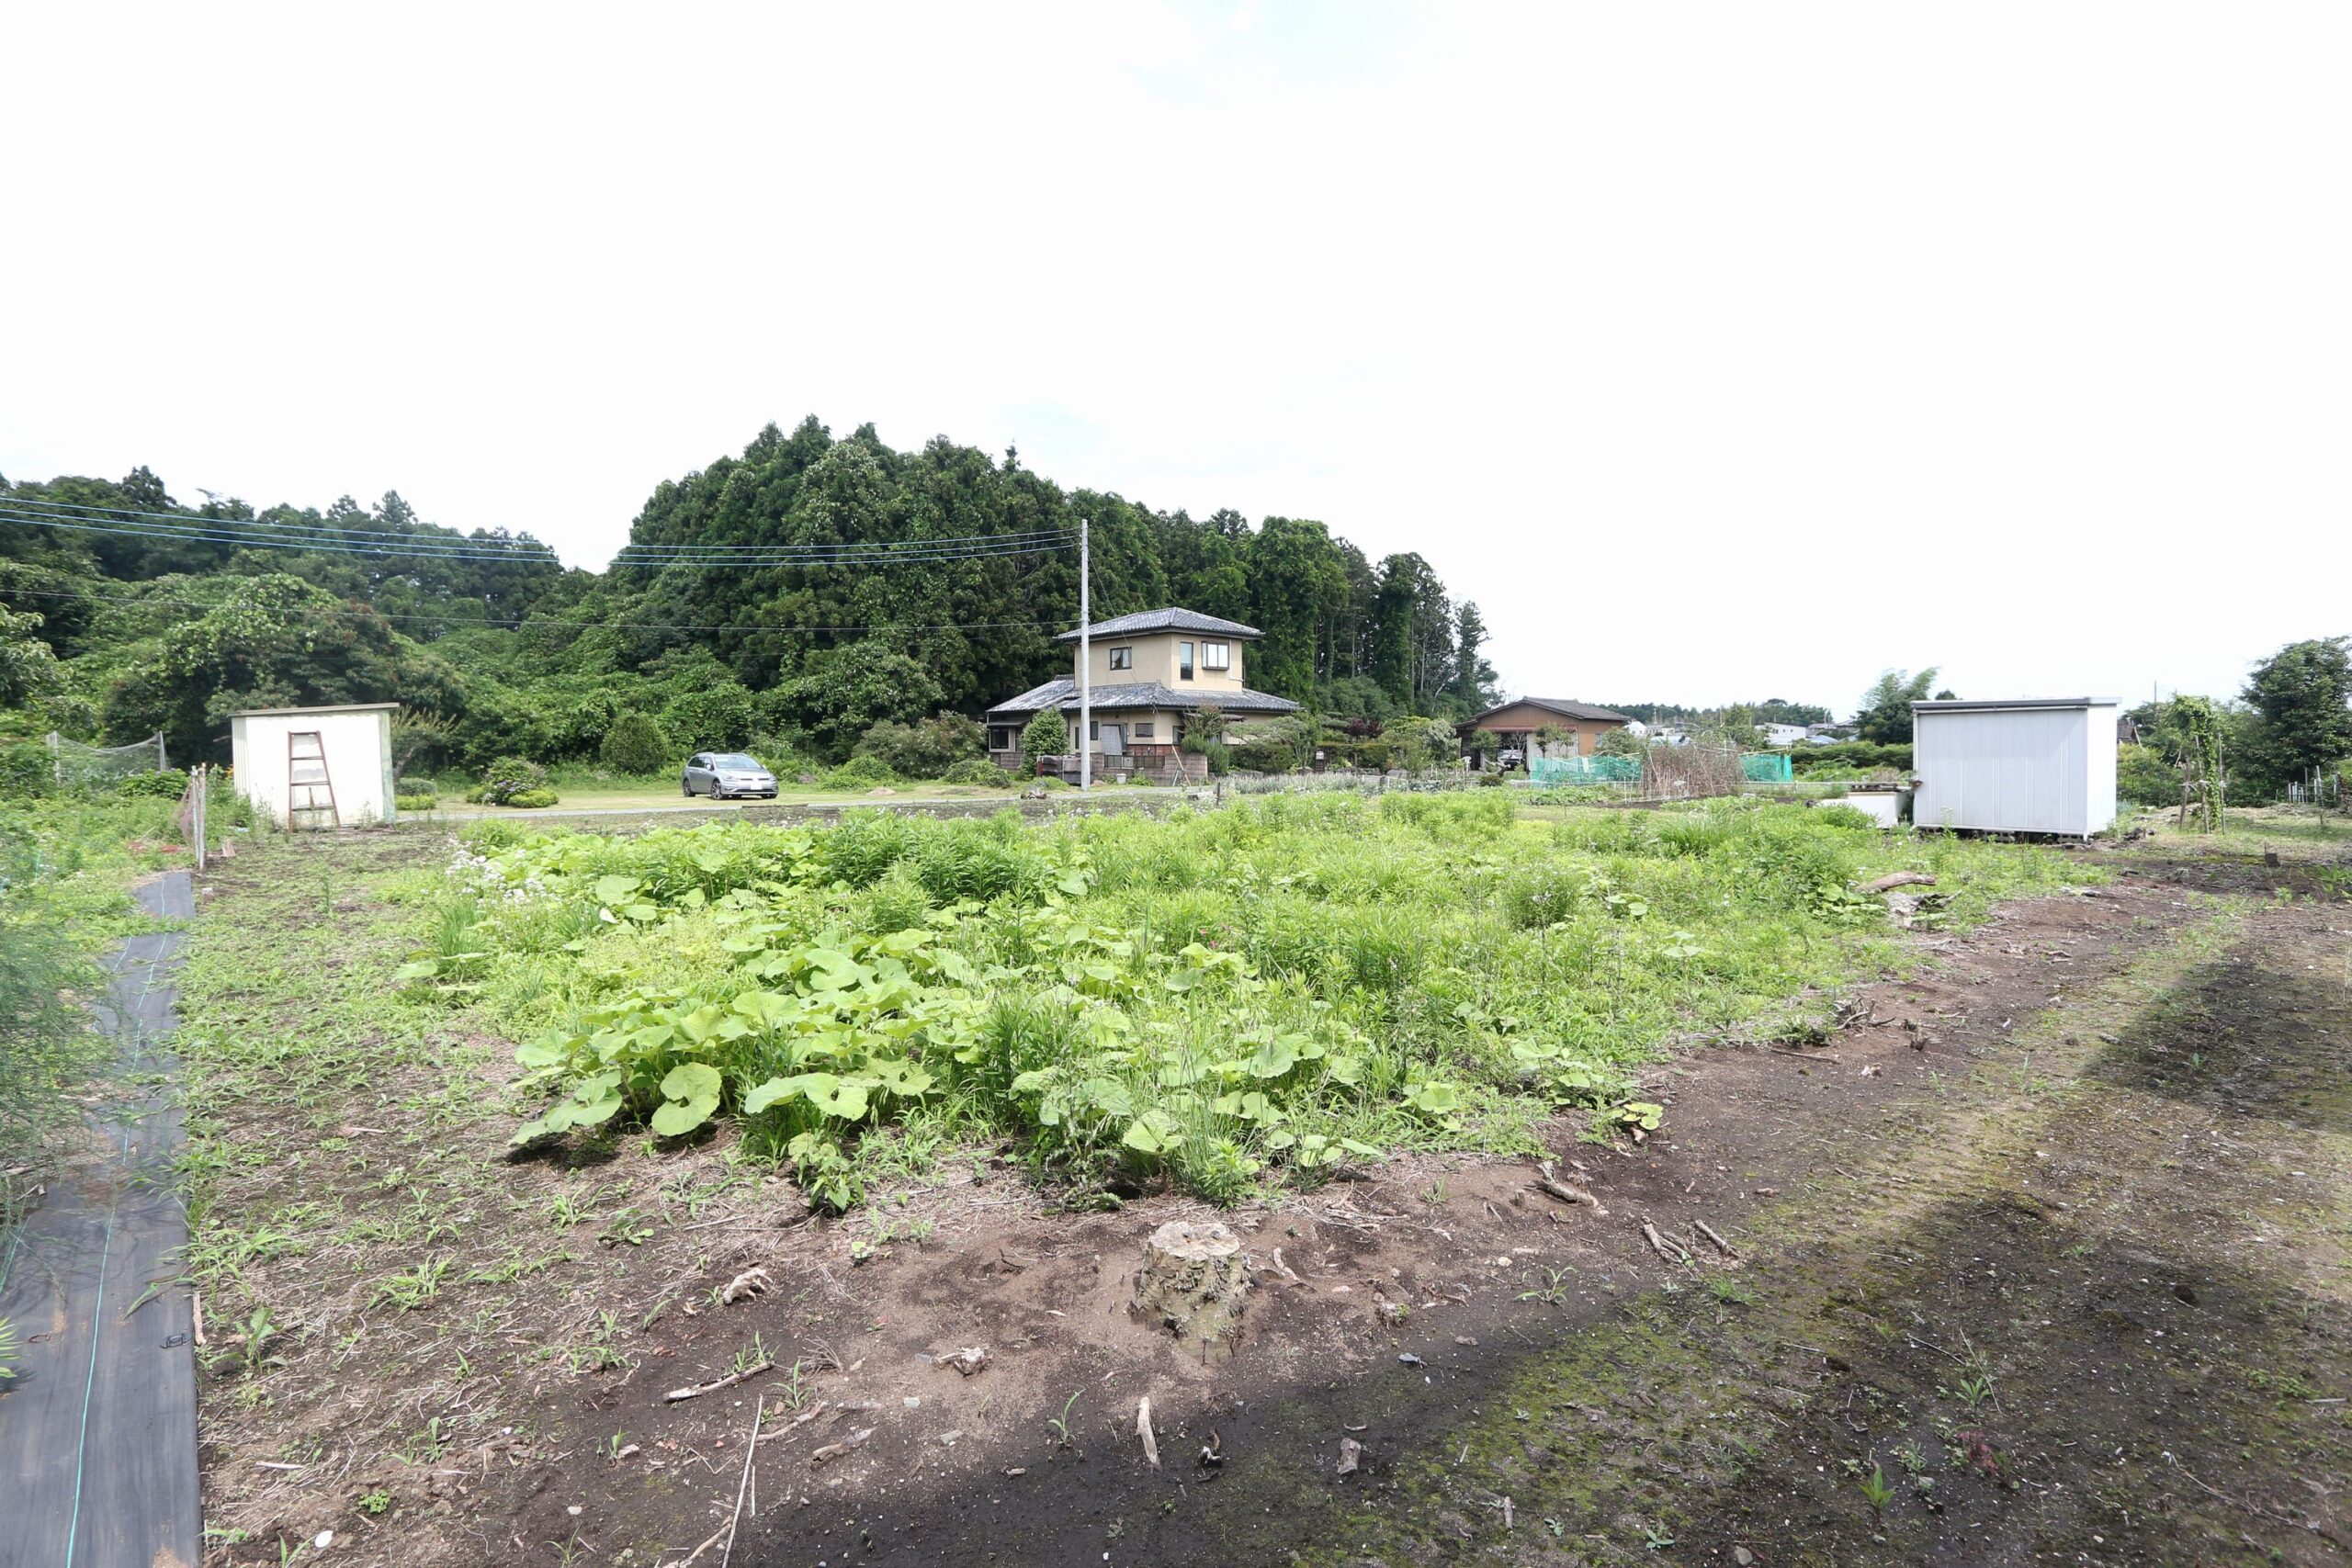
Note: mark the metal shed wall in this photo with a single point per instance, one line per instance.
(2040, 767)
(359, 746)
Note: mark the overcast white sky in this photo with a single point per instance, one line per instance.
(1718, 352)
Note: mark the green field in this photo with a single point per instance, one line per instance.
(1220, 999)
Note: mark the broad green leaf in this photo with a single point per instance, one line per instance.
(1274, 1058)
(692, 1080)
(1435, 1097)
(1153, 1133)
(423, 969)
(764, 1095)
(906, 1080)
(614, 889)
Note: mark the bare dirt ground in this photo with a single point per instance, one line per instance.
(2047, 1258)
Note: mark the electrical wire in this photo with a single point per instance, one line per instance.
(142, 601)
(193, 524)
(915, 550)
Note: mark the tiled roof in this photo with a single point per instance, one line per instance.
(1561, 706)
(1062, 693)
(1167, 620)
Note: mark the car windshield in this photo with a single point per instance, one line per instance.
(736, 760)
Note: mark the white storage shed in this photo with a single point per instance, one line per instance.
(2027, 765)
(324, 767)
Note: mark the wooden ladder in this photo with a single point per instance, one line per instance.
(309, 794)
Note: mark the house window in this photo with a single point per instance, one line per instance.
(1000, 738)
(1122, 658)
(1216, 656)
(1094, 729)
(1183, 662)
(1144, 730)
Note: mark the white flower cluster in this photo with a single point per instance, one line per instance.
(483, 876)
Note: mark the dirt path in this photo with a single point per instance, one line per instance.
(2061, 1233)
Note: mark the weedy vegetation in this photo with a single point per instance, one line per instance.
(1213, 998)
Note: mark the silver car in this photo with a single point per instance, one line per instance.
(719, 774)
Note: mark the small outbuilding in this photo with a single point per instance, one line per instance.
(2025, 765)
(322, 767)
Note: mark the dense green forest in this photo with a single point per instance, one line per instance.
(796, 595)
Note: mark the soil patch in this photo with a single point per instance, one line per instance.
(1969, 1184)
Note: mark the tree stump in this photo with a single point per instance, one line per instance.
(1193, 1284)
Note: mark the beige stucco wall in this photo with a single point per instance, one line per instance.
(1155, 659)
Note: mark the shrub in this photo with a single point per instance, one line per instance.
(418, 800)
(635, 744)
(2145, 778)
(1047, 735)
(25, 768)
(861, 773)
(977, 770)
(925, 749)
(511, 776)
(168, 783)
(1850, 754)
(530, 799)
(1619, 742)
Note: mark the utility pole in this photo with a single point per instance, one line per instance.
(1085, 670)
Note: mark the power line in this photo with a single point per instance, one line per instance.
(517, 624)
(197, 524)
(915, 550)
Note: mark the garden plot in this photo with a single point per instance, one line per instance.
(936, 1081)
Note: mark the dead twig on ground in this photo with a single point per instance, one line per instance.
(831, 1451)
(1550, 1186)
(1143, 1430)
(796, 1423)
(1660, 1244)
(751, 1450)
(1709, 1231)
(730, 1381)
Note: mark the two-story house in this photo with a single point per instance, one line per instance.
(1153, 672)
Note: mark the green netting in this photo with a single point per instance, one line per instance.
(1764, 767)
(1584, 769)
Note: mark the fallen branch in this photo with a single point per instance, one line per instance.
(751, 1451)
(1143, 1430)
(730, 1381)
(1898, 879)
(1709, 1231)
(796, 1423)
(1802, 1055)
(831, 1451)
(1659, 1244)
(1552, 1186)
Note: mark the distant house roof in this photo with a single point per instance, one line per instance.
(1167, 620)
(1560, 705)
(1062, 693)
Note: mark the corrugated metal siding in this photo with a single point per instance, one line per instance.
(2017, 771)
